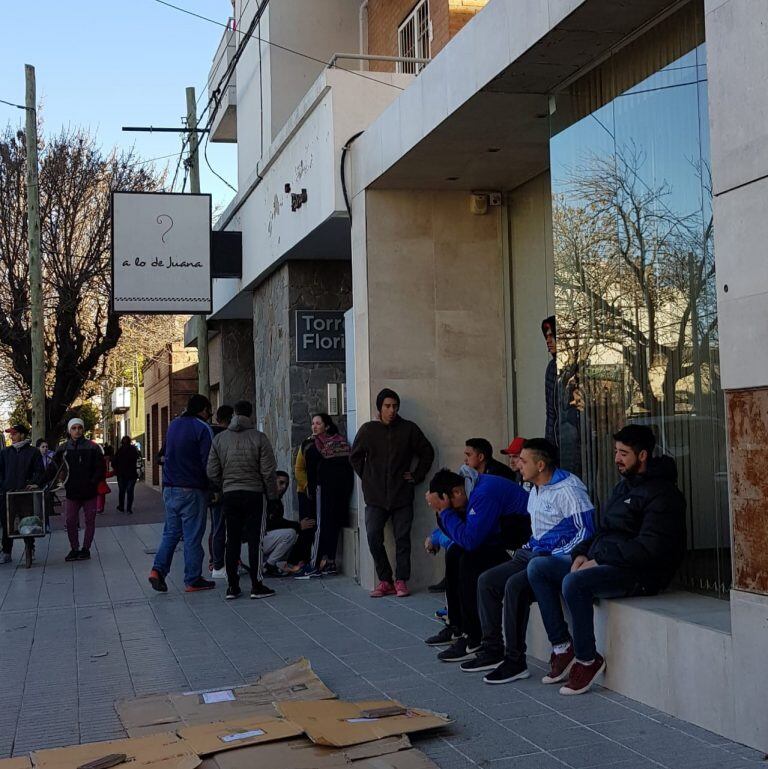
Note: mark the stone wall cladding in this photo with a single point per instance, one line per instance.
(385, 16)
(271, 355)
(237, 362)
(320, 285)
(747, 439)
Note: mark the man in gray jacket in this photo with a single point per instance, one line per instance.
(242, 464)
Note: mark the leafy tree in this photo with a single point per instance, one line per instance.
(75, 180)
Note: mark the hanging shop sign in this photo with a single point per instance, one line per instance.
(161, 253)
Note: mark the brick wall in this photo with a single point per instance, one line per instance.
(385, 16)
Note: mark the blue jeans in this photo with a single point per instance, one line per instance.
(550, 576)
(185, 513)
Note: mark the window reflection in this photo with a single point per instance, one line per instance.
(634, 276)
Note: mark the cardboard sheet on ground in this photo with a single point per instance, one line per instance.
(387, 753)
(156, 751)
(343, 723)
(164, 712)
(207, 739)
(20, 762)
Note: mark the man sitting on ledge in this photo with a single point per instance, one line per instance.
(637, 548)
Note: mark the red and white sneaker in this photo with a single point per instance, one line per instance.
(382, 589)
(582, 677)
(559, 666)
(401, 588)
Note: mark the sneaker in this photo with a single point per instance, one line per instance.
(559, 666)
(259, 590)
(73, 555)
(157, 581)
(444, 638)
(442, 615)
(308, 572)
(438, 587)
(232, 593)
(483, 661)
(506, 672)
(582, 677)
(329, 569)
(6, 558)
(382, 589)
(219, 573)
(401, 589)
(200, 584)
(120, 509)
(272, 571)
(84, 554)
(458, 651)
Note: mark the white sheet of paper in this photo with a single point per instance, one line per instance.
(227, 695)
(360, 720)
(242, 735)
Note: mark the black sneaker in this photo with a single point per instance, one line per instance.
(73, 555)
(438, 587)
(232, 593)
(200, 584)
(120, 509)
(444, 638)
(458, 651)
(273, 571)
(506, 672)
(260, 590)
(482, 662)
(329, 569)
(84, 554)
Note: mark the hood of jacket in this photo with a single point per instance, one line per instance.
(240, 423)
(562, 479)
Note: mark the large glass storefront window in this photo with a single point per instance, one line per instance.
(635, 276)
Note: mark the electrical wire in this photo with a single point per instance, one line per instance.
(12, 104)
(210, 167)
(275, 45)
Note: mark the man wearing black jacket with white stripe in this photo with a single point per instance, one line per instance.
(639, 544)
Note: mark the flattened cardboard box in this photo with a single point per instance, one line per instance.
(156, 751)
(387, 753)
(343, 723)
(20, 762)
(164, 712)
(302, 753)
(207, 739)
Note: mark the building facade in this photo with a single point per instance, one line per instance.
(170, 377)
(597, 161)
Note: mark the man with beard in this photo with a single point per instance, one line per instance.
(636, 551)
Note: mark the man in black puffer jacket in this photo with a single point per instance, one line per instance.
(637, 549)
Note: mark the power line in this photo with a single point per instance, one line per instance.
(12, 104)
(210, 167)
(274, 45)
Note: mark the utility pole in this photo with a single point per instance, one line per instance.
(203, 380)
(35, 267)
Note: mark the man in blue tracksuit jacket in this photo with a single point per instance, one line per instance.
(562, 517)
(185, 495)
(478, 525)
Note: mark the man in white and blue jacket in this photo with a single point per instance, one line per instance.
(562, 517)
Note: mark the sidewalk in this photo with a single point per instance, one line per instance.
(75, 637)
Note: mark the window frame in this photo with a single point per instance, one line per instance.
(420, 44)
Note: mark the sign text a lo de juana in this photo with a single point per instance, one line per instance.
(161, 253)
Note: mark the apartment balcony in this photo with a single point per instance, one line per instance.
(224, 126)
(121, 400)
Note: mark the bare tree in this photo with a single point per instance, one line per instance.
(75, 180)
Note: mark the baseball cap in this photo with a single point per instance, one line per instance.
(515, 447)
(18, 429)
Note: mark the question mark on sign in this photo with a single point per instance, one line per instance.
(170, 226)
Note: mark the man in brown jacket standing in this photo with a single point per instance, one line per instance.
(242, 464)
(391, 455)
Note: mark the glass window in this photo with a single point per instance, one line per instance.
(413, 38)
(634, 276)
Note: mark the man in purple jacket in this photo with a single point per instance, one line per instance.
(185, 495)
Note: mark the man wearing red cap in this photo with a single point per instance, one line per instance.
(513, 452)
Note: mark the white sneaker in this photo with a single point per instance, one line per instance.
(219, 573)
(5, 557)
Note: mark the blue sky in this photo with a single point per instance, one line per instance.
(102, 65)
